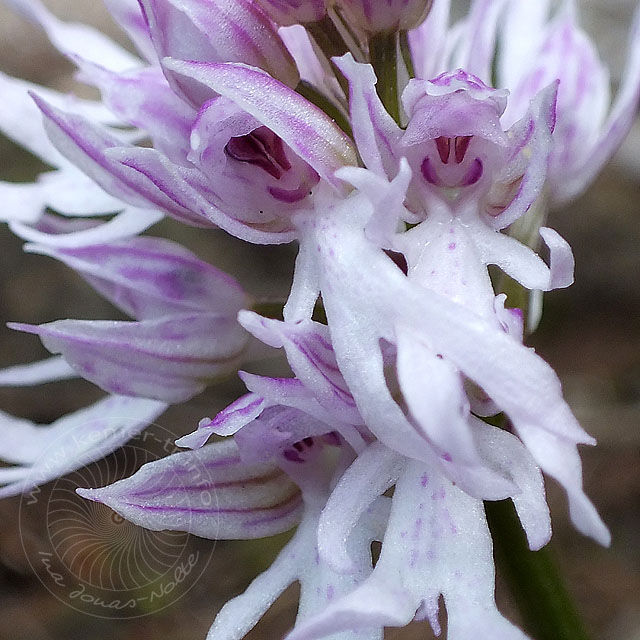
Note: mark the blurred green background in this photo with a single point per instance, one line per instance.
(590, 333)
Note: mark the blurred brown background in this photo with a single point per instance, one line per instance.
(590, 334)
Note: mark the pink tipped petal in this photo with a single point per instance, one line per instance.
(209, 492)
(228, 422)
(34, 373)
(50, 451)
(216, 31)
(169, 359)
(376, 133)
(309, 132)
(76, 39)
(151, 277)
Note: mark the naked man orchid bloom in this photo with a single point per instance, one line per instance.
(403, 152)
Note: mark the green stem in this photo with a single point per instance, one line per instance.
(547, 608)
(383, 51)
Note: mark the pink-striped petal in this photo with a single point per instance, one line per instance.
(209, 492)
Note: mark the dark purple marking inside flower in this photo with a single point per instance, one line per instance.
(295, 453)
(444, 148)
(461, 144)
(261, 148)
(428, 172)
(474, 174)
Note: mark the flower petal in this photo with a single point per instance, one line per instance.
(437, 542)
(73, 441)
(505, 451)
(143, 99)
(128, 14)
(34, 373)
(375, 470)
(130, 222)
(76, 39)
(169, 359)
(230, 420)
(376, 133)
(209, 492)
(86, 145)
(310, 355)
(151, 277)
(616, 126)
(216, 31)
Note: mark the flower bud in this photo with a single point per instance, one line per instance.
(288, 12)
(376, 16)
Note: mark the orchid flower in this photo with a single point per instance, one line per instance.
(272, 416)
(265, 482)
(529, 48)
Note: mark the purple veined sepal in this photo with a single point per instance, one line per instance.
(186, 333)
(143, 99)
(392, 15)
(290, 12)
(238, 490)
(42, 453)
(169, 358)
(216, 31)
(210, 492)
(148, 277)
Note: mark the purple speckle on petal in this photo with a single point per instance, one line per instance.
(424, 480)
